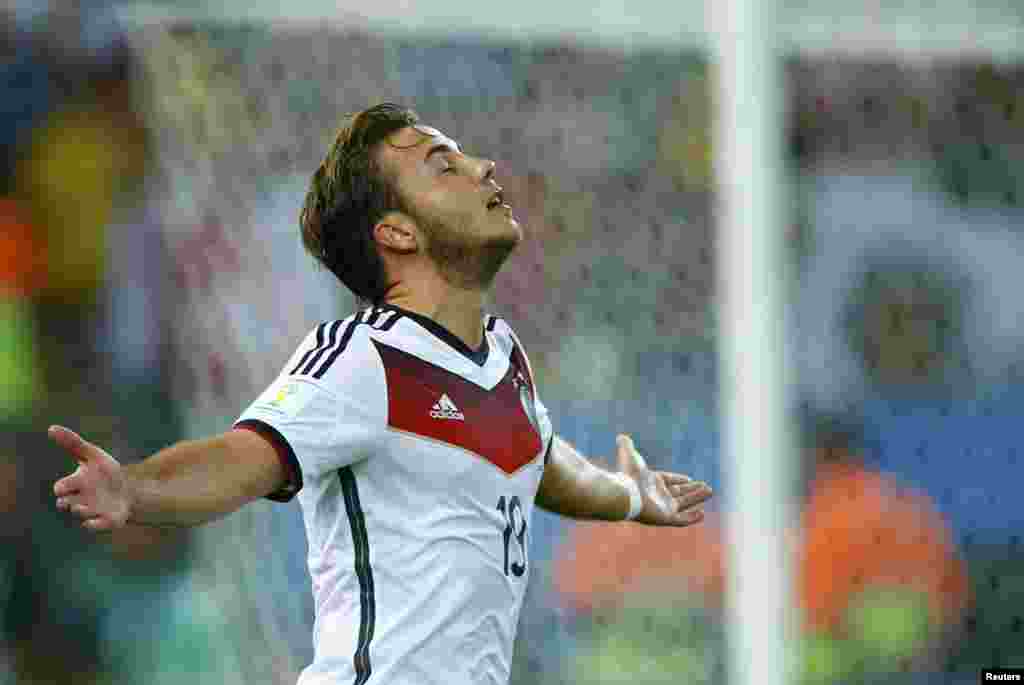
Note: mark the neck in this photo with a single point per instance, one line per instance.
(460, 311)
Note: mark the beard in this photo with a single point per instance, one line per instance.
(465, 260)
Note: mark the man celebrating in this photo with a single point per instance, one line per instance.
(411, 431)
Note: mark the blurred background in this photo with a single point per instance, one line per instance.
(152, 281)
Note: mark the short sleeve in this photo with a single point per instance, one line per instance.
(327, 415)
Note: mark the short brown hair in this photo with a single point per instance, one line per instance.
(348, 194)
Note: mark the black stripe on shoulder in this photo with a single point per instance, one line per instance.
(391, 319)
(364, 574)
(319, 343)
(491, 322)
(336, 352)
(332, 338)
(374, 316)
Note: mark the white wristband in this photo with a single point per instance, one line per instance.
(636, 502)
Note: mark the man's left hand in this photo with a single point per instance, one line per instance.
(669, 499)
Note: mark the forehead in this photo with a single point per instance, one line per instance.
(415, 141)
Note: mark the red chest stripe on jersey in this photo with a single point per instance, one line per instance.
(494, 426)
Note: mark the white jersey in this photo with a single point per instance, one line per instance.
(417, 462)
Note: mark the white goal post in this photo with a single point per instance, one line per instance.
(757, 461)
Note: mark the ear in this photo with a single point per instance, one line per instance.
(397, 233)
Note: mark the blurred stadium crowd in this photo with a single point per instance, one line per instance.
(152, 280)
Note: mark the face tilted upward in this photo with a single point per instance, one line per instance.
(466, 222)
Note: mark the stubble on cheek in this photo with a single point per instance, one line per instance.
(467, 259)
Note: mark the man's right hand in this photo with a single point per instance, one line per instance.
(98, 491)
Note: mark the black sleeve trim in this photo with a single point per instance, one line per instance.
(284, 453)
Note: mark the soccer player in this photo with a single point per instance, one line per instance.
(411, 432)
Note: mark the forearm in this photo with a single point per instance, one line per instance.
(573, 486)
(186, 484)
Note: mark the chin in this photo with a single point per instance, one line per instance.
(494, 251)
(507, 240)
(511, 230)
(515, 233)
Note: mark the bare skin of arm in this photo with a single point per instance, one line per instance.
(573, 486)
(187, 484)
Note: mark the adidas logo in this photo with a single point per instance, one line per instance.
(444, 408)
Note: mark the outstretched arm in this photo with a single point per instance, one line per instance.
(187, 484)
(573, 486)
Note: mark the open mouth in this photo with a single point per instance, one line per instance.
(497, 200)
